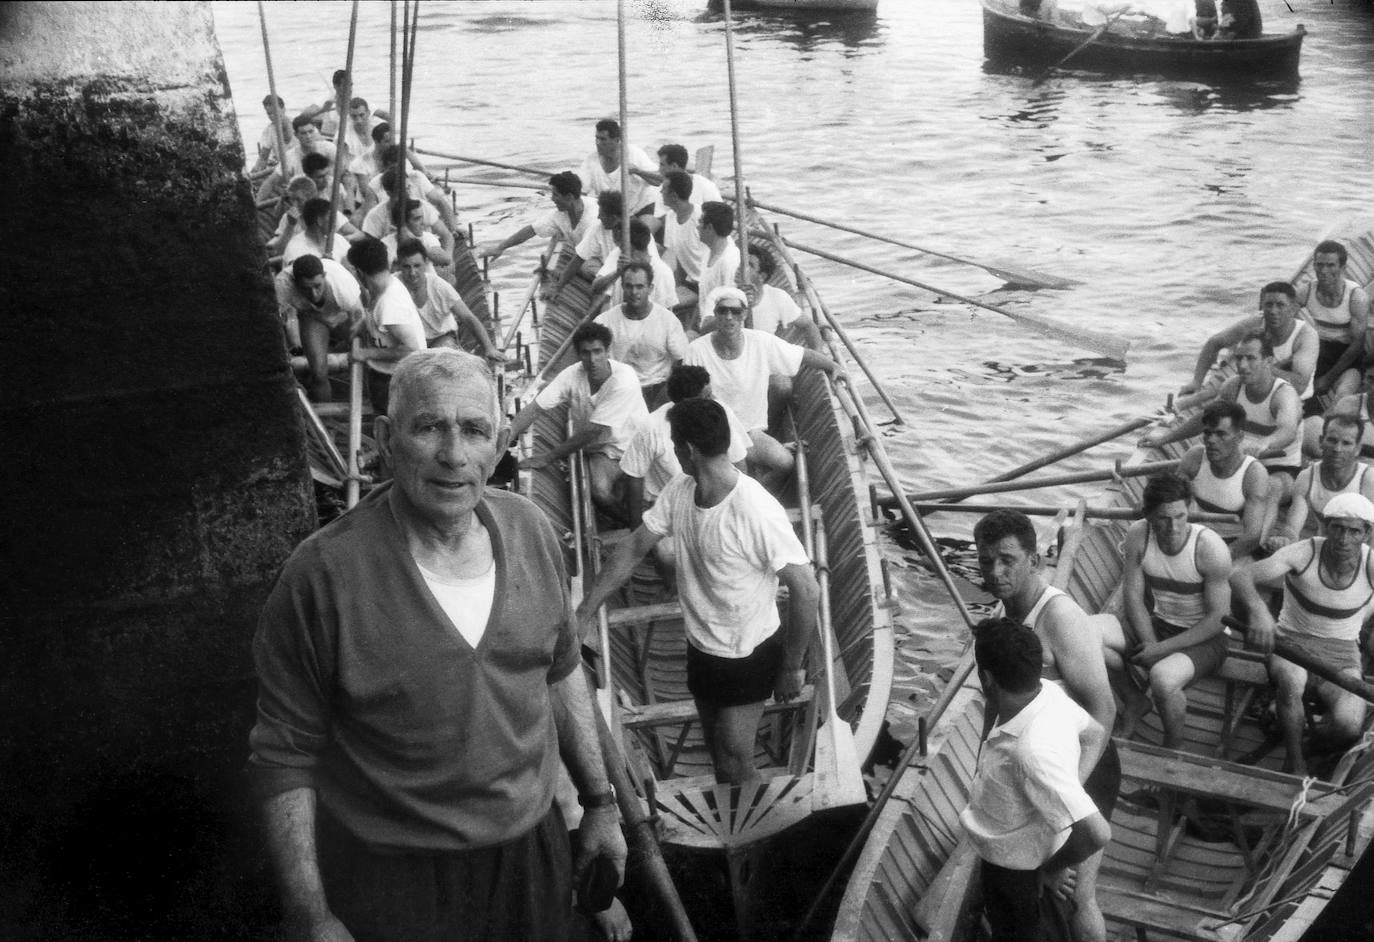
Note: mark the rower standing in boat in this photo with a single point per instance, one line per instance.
(442, 310)
(1073, 658)
(572, 215)
(1225, 480)
(1028, 817)
(1185, 567)
(1339, 309)
(644, 333)
(1338, 472)
(672, 158)
(732, 545)
(308, 140)
(313, 234)
(392, 323)
(1328, 585)
(324, 302)
(267, 141)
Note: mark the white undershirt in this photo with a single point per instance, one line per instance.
(466, 602)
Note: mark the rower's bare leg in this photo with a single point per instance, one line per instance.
(606, 490)
(1169, 679)
(769, 461)
(315, 340)
(1289, 682)
(1087, 922)
(1344, 717)
(1135, 703)
(730, 733)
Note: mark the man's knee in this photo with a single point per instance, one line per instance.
(1171, 675)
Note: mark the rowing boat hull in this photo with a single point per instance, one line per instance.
(1010, 37)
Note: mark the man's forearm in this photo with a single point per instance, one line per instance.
(1086, 838)
(290, 821)
(578, 742)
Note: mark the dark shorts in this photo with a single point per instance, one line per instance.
(1018, 911)
(1104, 781)
(1206, 656)
(734, 681)
(518, 890)
(1311, 406)
(1341, 655)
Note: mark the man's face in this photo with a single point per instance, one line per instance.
(270, 107)
(1278, 310)
(1368, 379)
(705, 230)
(1006, 567)
(322, 181)
(1169, 524)
(1251, 363)
(308, 135)
(606, 145)
(634, 285)
(312, 288)
(411, 268)
(1330, 272)
(358, 115)
(729, 318)
(751, 282)
(442, 446)
(1340, 447)
(596, 360)
(1221, 441)
(666, 166)
(1344, 537)
(561, 201)
(683, 454)
(415, 220)
(609, 221)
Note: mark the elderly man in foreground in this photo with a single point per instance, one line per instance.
(418, 682)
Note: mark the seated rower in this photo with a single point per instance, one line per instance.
(672, 158)
(1294, 341)
(358, 136)
(418, 186)
(720, 256)
(1339, 309)
(1338, 472)
(437, 246)
(662, 290)
(600, 171)
(323, 299)
(1179, 637)
(1359, 406)
(740, 361)
(442, 310)
(572, 215)
(645, 334)
(320, 169)
(604, 405)
(314, 233)
(596, 244)
(680, 223)
(380, 219)
(293, 199)
(1225, 480)
(1328, 585)
(1240, 19)
(308, 140)
(650, 461)
(392, 326)
(1272, 416)
(771, 309)
(733, 545)
(1204, 20)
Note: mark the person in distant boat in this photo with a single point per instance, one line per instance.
(732, 545)
(314, 233)
(740, 362)
(324, 302)
(645, 334)
(442, 310)
(1204, 21)
(1175, 592)
(1295, 343)
(1273, 415)
(680, 225)
(1240, 19)
(650, 460)
(662, 290)
(1328, 585)
(1338, 472)
(600, 171)
(392, 325)
(1361, 406)
(1029, 817)
(572, 215)
(605, 407)
(672, 158)
(1073, 658)
(1339, 309)
(720, 256)
(1225, 480)
(418, 682)
(267, 140)
(595, 245)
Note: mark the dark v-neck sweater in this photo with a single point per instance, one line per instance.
(368, 693)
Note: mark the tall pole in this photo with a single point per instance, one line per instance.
(344, 96)
(276, 99)
(625, 207)
(391, 111)
(734, 140)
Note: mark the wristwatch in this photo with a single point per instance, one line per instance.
(600, 800)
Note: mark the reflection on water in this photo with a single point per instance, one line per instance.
(808, 30)
(1192, 99)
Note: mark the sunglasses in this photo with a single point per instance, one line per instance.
(729, 310)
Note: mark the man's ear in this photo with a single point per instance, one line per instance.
(503, 439)
(381, 431)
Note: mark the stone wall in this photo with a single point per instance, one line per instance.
(154, 477)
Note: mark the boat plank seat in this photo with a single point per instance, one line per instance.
(675, 712)
(1214, 778)
(1166, 917)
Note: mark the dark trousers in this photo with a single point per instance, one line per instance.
(521, 890)
(1016, 909)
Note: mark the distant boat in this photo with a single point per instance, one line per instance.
(1012, 37)
(809, 6)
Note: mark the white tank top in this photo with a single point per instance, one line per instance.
(1222, 495)
(1175, 581)
(1283, 355)
(1367, 438)
(1049, 670)
(1332, 323)
(1260, 423)
(1319, 495)
(1312, 607)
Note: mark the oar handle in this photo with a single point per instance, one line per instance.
(1310, 663)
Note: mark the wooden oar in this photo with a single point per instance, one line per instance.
(1111, 347)
(1057, 480)
(1313, 665)
(535, 279)
(1081, 46)
(1078, 447)
(1050, 510)
(532, 171)
(1015, 276)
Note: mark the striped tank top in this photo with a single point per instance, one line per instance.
(1313, 607)
(1260, 423)
(1222, 495)
(1332, 323)
(1174, 580)
(1319, 495)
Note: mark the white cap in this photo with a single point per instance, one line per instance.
(1349, 507)
(724, 293)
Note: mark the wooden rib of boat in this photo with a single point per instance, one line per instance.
(1013, 37)
(1280, 848)
(651, 711)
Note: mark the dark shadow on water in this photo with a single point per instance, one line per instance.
(856, 31)
(1189, 98)
(1087, 368)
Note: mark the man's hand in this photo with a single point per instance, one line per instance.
(1277, 541)
(322, 927)
(599, 836)
(1061, 883)
(1152, 439)
(491, 250)
(1187, 389)
(1260, 636)
(1148, 655)
(788, 684)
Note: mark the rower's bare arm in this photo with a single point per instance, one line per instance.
(521, 236)
(290, 823)
(617, 571)
(1287, 412)
(1207, 357)
(1164, 436)
(1246, 578)
(822, 362)
(1295, 517)
(523, 419)
(802, 621)
(579, 746)
(445, 236)
(1359, 326)
(468, 320)
(1078, 656)
(1304, 362)
(1255, 487)
(1133, 585)
(1086, 837)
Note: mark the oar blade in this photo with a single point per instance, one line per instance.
(839, 779)
(1026, 277)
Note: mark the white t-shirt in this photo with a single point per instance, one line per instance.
(775, 308)
(742, 383)
(596, 180)
(377, 222)
(703, 191)
(393, 321)
(343, 299)
(716, 274)
(340, 220)
(728, 558)
(618, 404)
(301, 244)
(664, 289)
(651, 457)
(417, 186)
(359, 146)
(466, 602)
(437, 311)
(428, 239)
(650, 345)
(596, 243)
(558, 223)
(682, 245)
